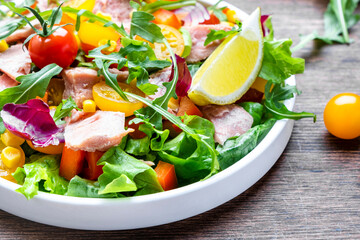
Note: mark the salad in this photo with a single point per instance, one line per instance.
(119, 98)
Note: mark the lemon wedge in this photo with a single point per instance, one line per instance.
(232, 68)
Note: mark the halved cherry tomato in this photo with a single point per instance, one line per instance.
(174, 38)
(166, 17)
(107, 99)
(342, 116)
(32, 6)
(60, 48)
(67, 19)
(212, 20)
(81, 4)
(52, 149)
(92, 171)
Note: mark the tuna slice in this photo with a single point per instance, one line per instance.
(78, 83)
(7, 82)
(158, 79)
(199, 34)
(20, 35)
(229, 120)
(15, 61)
(96, 132)
(119, 9)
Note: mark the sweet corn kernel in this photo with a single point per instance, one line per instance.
(110, 49)
(10, 139)
(3, 46)
(89, 106)
(52, 108)
(13, 157)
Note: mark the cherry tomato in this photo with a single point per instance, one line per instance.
(60, 48)
(175, 39)
(212, 20)
(52, 149)
(107, 99)
(342, 116)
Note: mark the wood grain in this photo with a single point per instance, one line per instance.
(312, 192)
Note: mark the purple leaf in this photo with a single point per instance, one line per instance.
(263, 20)
(32, 121)
(184, 82)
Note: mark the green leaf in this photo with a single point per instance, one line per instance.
(80, 187)
(273, 102)
(64, 110)
(278, 64)
(42, 172)
(256, 110)
(221, 34)
(168, 5)
(31, 86)
(138, 147)
(191, 157)
(235, 148)
(338, 18)
(124, 173)
(142, 26)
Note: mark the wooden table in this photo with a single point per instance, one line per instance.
(312, 192)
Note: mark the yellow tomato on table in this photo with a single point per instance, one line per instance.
(107, 99)
(342, 116)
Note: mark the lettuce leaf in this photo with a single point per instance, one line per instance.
(256, 110)
(191, 158)
(278, 64)
(235, 148)
(80, 187)
(124, 173)
(41, 174)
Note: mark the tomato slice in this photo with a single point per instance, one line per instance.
(108, 100)
(175, 39)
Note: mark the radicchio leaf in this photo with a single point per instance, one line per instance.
(184, 82)
(32, 121)
(263, 20)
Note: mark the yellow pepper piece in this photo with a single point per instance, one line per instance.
(10, 139)
(3, 46)
(110, 49)
(92, 33)
(81, 4)
(89, 106)
(13, 157)
(104, 15)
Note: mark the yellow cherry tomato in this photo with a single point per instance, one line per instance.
(52, 149)
(92, 33)
(81, 4)
(175, 39)
(108, 100)
(342, 116)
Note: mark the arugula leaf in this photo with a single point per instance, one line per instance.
(278, 64)
(41, 173)
(220, 34)
(235, 148)
(168, 5)
(273, 102)
(31, 86)
(218, 11)
(64, 109)
(142, 26)
(338, 18)
(124, 173)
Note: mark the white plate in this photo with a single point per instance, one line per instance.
(155, 209)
